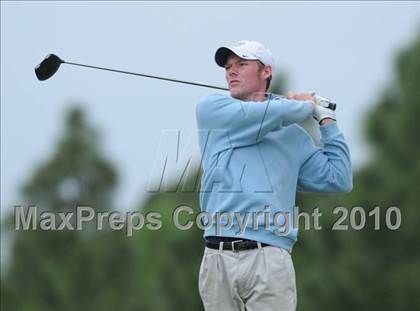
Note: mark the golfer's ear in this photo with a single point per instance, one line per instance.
(267, 72)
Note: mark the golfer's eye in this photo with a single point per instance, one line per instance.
(242, 64)
(227, 67)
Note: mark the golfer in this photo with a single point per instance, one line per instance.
(254, 158)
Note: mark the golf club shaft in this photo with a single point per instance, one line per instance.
(150, 76)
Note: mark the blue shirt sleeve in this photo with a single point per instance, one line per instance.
(247, 122)
(327, 169)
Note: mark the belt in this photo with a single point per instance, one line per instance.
(237, 245)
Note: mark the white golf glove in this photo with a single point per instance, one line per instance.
(321, 111)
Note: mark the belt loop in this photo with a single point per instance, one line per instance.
(259, 245)
(221, 246)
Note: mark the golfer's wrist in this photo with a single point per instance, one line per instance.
(326, 121)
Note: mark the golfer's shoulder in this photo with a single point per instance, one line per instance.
(213, 103)
(215, 99)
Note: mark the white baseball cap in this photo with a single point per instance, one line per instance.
(251, 50)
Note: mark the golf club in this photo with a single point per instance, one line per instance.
(49, 66)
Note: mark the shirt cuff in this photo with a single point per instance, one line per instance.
(309, 108)
(329, 130)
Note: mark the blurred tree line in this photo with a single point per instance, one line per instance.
(158, 270)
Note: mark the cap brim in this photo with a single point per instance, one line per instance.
(222, 55)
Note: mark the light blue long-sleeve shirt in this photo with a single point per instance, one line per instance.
(254, 159)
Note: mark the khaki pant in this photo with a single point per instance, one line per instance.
(258, 279)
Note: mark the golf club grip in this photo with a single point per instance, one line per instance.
(331, 106)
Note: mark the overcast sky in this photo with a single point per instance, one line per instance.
(343, 50)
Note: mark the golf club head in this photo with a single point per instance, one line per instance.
(48, 67)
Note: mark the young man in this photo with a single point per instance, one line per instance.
(255, 158)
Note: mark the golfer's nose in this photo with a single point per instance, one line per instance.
(233, 71)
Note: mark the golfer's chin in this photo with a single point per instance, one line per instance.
(237, 93)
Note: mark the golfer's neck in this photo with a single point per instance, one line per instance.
(258, 97)
(255, 97)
